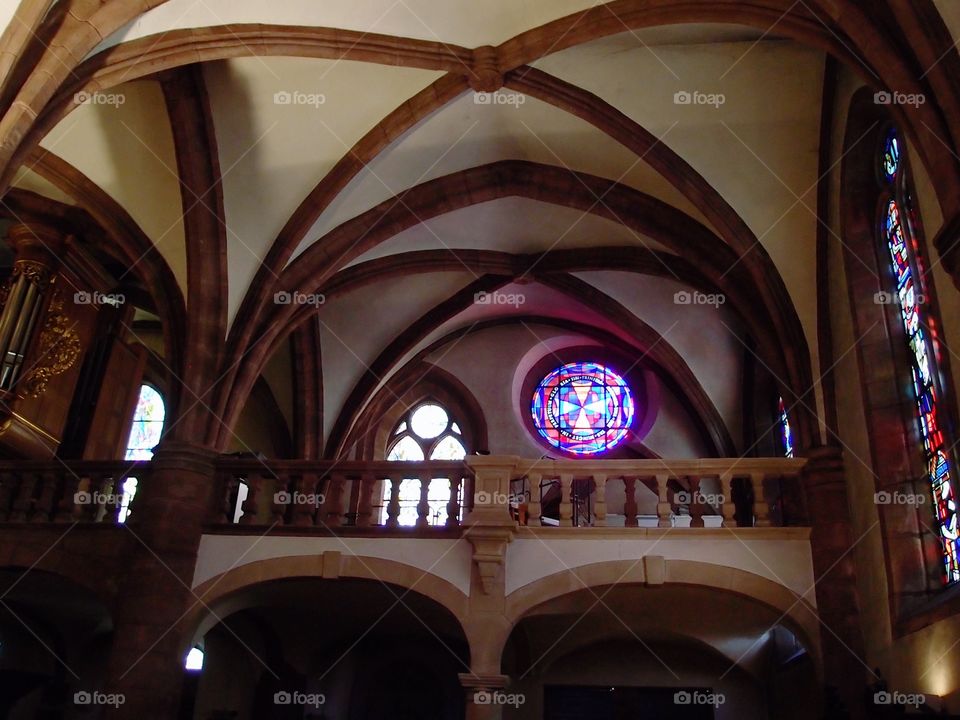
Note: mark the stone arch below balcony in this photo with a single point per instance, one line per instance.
(675, 581)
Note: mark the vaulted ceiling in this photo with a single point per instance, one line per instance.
(627, 152)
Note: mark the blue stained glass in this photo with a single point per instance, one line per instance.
(147, 425)
(904, 256)
(583, 408)
(786, 434)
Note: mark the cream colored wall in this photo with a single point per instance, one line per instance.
(486, 361)
(923, 661)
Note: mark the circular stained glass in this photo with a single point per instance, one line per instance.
(583, 408)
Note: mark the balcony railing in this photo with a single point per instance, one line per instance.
(746, 492)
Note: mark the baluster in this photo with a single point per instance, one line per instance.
(664, 508)
(600, 506)
(729, 507)
(534, 509)
(365, 504)
(23, 503)
(333, 501)
(250, 506)
(566, 507)
(761, 511)
(304, 500)
(453, 507)
(696, 501)
(393, 508)
(281, 502)
(43, 508)
(8, 485)
(423, 507)
(630, 501)
(64, 510)
(229, 484)
(82, 508)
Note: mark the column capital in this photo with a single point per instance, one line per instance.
(177, 454)
(474, 681)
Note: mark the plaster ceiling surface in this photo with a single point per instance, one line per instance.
(514, 225)
(281, 124)
(355, 328)
(123, 143)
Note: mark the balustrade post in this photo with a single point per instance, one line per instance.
(365, 501)
(333, 501)
(305, 500)
(729, 507)
(630, 502)
(393, 508)
(251, 503)
(43, 509)
(664, 508)
(423, 507)
(600, 506)
(534, 509)
(566, 507)
(761, 511)
(453, 507)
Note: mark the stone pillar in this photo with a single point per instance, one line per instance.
(482, 695)
(173, 502)
(838, 605)
(490, 529)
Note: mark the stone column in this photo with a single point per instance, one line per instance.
(838, 605)
(173, 502)
(490, 529)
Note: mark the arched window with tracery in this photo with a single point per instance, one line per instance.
(427, 431)
(899, 228)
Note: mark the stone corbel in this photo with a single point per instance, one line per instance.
(489, 553)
